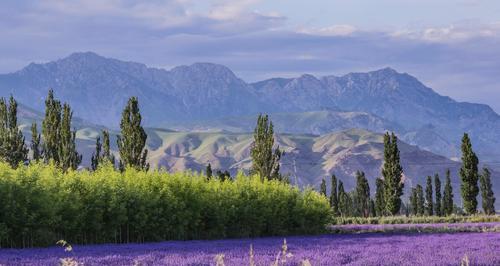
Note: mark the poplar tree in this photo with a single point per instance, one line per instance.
(488, 197)
(208, 171)
(379, 197)
(13, 149)
(448, 195)
(50, 129)
(437, 185)
(132, 141)
(334, 200)
(265, 160)
(106, 149)
(420, 200)
(322, 188)
(35, 143)
(414, 201)
(392, 173)
(362, 194)
(343, 200)
(68, 156)
(96, 156)
(469, 175)
(429, 211)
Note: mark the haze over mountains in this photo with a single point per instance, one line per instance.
(204, 95)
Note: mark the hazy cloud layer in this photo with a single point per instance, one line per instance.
(461, 59)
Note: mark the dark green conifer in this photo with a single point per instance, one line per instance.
(469, 176)
(362, 194)
(429, 206)
(438, 209)
(69, 158)
(208, 171)
(448, 195)
(322, 188)
(50, 129)
(96, 155)
(414, 201)
(13, 149)
(334, 199)
(488, 197)
(420, 200)
(35, 143)
(379, 197)
(392, 173)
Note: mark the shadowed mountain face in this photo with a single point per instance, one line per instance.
(195, 96)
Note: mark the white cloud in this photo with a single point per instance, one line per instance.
(452, 33)
(334, 30)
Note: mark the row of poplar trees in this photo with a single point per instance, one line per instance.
(57, 141)
(389, 189)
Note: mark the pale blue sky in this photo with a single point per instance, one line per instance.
(452, 46)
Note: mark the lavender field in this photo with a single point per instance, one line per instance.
(342, 249)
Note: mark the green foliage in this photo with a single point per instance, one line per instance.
(208, 171)
(469, 175)
(414, 202)
(13, 150)
(362, 194)
(416, 220)
(40, 204)
(344, 201)
(392, 173)
(488, 198)
(132, 140)
(102, 152)
(334, 199)
(322, 189)
(448, 195)
(35, 143)
(69, 158)
(420, 200)
(265, 160)
(379, 197)
(438, 207)
(429, 206)
(50, 129)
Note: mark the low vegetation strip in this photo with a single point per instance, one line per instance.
(40, 204)
(420, 228)
(357, 249)
(416, 219)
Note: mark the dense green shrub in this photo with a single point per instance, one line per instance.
(40, 204)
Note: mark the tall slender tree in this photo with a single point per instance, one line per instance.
(35, 143)
(420, 200)
(392, 173)
(265, 160)
(488, 197)
(208, 171)
(343, 200)
(414, 201)
(362, 194)
(379, 197)
(469, 175)
(429, 206)
(334, 199)
(106, 149)
(50, 129)
(13, 149)
(68, 155)
(96, 156)
(438, 209)
(448, 195)
(132, 141)
(322, 188)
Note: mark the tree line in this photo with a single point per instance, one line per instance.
(57, 143)
(389, 189)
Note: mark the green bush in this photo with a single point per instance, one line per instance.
(40, 204)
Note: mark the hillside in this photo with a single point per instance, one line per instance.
(195, 96)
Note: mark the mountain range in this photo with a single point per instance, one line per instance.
(215, 110)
